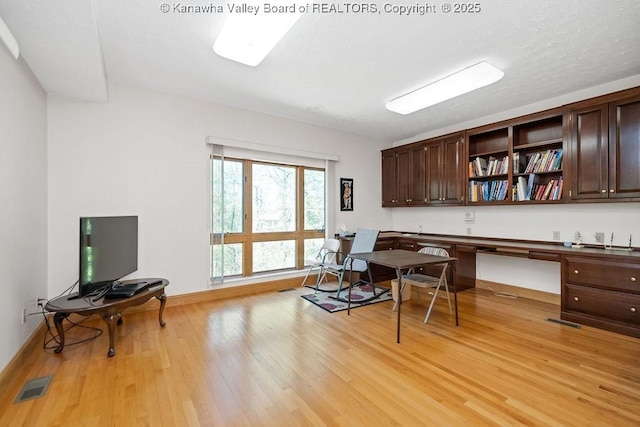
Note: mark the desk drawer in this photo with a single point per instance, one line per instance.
(618, 306)
(603, 274)
(384, 245)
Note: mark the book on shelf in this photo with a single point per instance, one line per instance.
(520, 162)
(491, 166)
(498, 166)
(523, 190)
(488, 190)
(531, 183)
(547, 190)
(479, 166)
(556, 191)
(558, 195)
(544, 161)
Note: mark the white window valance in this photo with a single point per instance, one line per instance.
(271, 153)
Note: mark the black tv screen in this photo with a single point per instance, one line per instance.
(108, 251)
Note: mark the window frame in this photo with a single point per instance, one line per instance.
(247, 237)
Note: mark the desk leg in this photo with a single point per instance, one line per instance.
(455, 300)
(111, 320)
(350, 286)
(57, 320)
(399, 276)
(163, 301)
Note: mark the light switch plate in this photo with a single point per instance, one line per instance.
(470, 217)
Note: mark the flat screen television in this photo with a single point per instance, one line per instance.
(108, 251)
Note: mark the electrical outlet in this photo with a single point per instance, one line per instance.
(599, 237)
(23, 316)
(468, 231)
(556, 235)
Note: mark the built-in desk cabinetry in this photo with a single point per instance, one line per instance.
(585, 151)
(602, 292)
(599, 287)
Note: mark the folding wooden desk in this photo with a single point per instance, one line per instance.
(399, 260)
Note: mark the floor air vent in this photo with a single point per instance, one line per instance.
(34, 388)
(564, 322)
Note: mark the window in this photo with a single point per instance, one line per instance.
(265, 216)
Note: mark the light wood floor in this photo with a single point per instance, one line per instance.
(275, 359)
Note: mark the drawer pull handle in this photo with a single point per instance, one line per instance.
(576, 299)
(633, 279)
(576, 271)
(633, 309)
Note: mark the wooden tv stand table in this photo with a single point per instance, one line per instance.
(109, 309)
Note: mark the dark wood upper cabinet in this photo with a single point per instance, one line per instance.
(589, 148)
(624, 148)
(433, 167)
(443, 170)
(417, 184)
(588, 151)
(411, 176)
(605, 150)
(423, 173)
(389, 178)
(405, 186)
(403, 182)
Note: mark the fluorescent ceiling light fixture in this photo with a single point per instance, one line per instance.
(9, 40)
(247, 37)
(472, 78)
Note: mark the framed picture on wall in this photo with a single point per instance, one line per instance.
(346, 194)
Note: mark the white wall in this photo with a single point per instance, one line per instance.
(144, 153)
(23, 201)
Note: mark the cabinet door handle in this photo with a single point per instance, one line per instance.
(576, 299)
(633, 279)
(603, 191)
(576, 271)
(612, 191)
(633, 309)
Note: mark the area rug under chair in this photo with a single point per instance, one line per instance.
(361, 293)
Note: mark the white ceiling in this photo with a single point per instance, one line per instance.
(335, 70)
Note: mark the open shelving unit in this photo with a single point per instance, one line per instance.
(520, 161)
(538, 157)
(488, 155)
